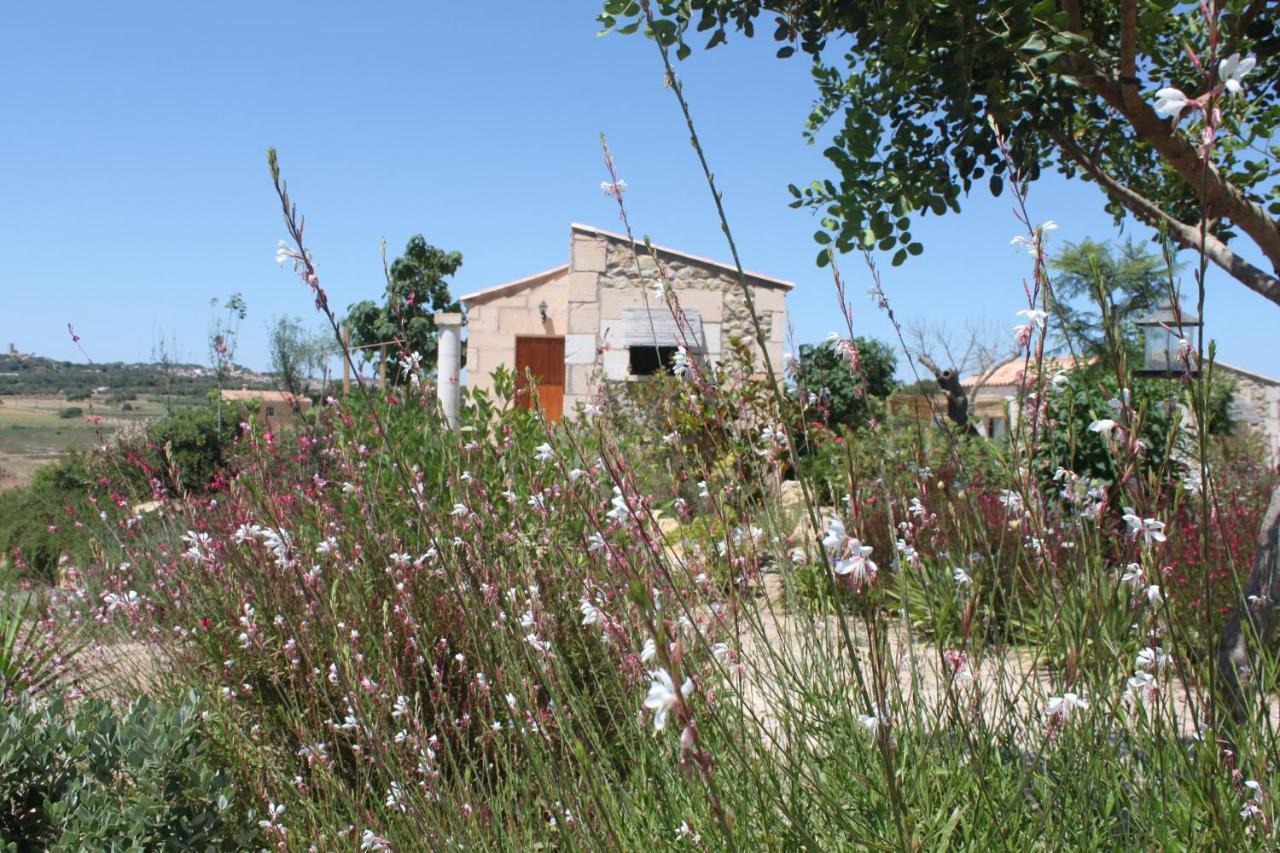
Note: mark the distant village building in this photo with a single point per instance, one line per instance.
(278, 409)
(598, 317)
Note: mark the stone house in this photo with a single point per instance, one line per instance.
(278, 409)
(598, 318)
(1256, 404)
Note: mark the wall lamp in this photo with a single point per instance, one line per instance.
(542, 310)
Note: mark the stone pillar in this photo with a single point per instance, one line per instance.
(449, 364)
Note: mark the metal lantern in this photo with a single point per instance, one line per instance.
(1170, 341)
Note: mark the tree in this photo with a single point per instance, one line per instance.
(416, 289)
(1072, 85)
(1148, 100)
(296, 354)
(224, 336)
(826, 378)
(976, 352)
(1128, 278)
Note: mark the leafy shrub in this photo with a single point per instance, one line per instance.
(70, 412)
(837, 391)
(89, 779)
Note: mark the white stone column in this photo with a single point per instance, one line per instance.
(449, 364)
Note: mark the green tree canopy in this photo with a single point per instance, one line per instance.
(416, 289)
(1129, 279)
(907, 91)
(296, 354)
(826, 381)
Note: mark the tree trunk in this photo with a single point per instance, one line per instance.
(1256, 618)
(957, 400)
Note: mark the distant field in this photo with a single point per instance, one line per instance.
(32, 434)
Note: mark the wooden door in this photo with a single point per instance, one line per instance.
(544, 359)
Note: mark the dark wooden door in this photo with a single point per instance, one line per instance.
(544, 359)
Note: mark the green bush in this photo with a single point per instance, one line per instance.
(90, 779)
(70, 412)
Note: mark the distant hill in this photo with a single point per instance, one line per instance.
(32, 375)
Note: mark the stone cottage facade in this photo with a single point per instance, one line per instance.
(1256, 404)
(598, 318)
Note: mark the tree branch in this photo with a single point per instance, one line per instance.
(1222, 197)
(1188, 236)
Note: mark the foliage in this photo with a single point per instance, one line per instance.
(1131, 279)
(841, 392)
(1091, 394)
(70, 412)
(185, 452)
(89, 779)
(31, 654)
(296, 354)
(416, 290)
(37, 376)
(905, 92)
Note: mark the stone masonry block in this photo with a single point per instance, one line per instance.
(584, 318)
(580, 349)
(588, 254)
(617, 364)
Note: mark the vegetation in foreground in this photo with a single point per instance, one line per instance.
(630, 632)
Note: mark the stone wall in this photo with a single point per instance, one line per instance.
(586, 302)
(715, 294)
(494, 323)
(1257, 403)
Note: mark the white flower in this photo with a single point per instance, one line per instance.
(680, 364)
(1154, 596)
(1148, 530)
(650, 650)
(702, 489)
(591, 615)
(1233, 69)
(595, 543)
(1012, 501)
(1063, 706)
(1103, 426)
(614, 189)
(575, 474)
(856, 564)
(917, 509)
(1142, 684)
(1133, 575)
(544, 452)
(721, 651)
(870, 722)
(1034, 316)
(662, 697)
(961, 576)
(459, 509)
(1170, 102)
(370, 841)
(1152, 658)
(1032, 244)
(836, 536)
(1059, 380)
(283, 253)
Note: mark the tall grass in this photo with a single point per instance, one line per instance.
(636, 630)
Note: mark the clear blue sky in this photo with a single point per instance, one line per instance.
(134, 184)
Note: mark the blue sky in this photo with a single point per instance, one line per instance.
(135, 186)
